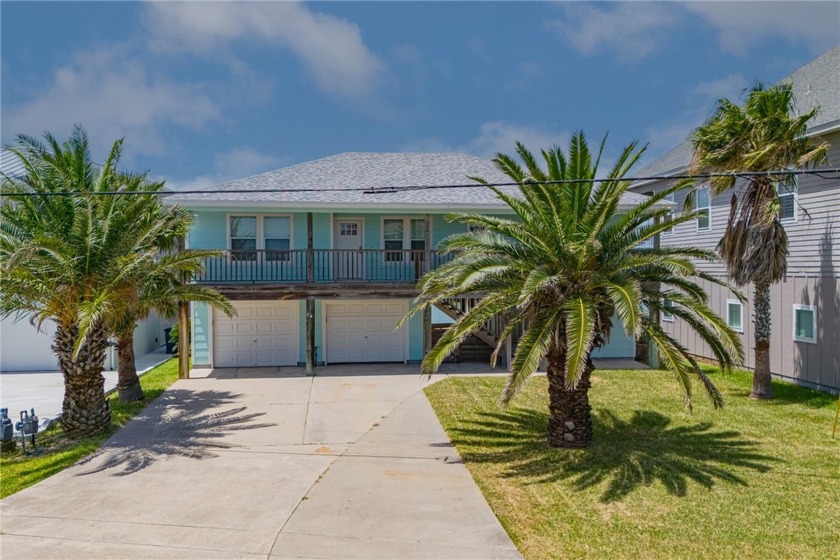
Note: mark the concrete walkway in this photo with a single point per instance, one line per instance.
(267, 463)
(44, 390)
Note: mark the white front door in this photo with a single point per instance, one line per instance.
(363, 331)
(349, 259)
(263, 333)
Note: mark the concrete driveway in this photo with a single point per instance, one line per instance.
(267, 463)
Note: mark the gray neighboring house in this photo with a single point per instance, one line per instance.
(806, 304)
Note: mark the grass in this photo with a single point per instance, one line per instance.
(757, 479)
(57, 451)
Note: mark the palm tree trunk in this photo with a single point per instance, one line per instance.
(128, 384)
(85, 410)
(761, 376)
(570, 420)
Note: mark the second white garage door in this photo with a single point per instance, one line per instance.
(363, 331)
(263, 333)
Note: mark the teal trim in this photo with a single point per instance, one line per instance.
(415, 336)
(619, 346)
(202, 315)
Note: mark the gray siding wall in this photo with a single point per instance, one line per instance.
(816, 365)
(814, 238)
(813, 279)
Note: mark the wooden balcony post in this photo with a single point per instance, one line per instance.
(653, 351)
(183, 328)
(310, 335)
(310, 253)
(427, 330)
(427, 244)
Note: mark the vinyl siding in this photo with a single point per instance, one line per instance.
(813, 239)
(209, 231)
(816, 365)
(813, 278)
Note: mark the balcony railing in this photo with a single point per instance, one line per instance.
(320, 265)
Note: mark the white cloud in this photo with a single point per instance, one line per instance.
(501, 136)
(741, 24)
(494, 137)
(631, 30)
(113, 95)
(237, 163)
(331, 49)
(730, 87)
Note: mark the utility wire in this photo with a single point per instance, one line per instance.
(391, 190)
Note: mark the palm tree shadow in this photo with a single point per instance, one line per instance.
(624, 456)
(194, 424)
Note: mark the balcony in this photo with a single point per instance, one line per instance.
(320, 266)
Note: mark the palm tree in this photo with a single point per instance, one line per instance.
(76, 260)
(157, 278)
(158, 286)
(762, 136)
(59, 255)
(562, 269)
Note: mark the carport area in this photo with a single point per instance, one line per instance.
(268, 463)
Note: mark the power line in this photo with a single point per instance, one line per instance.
(393, 189)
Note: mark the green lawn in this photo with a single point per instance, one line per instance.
(758, 479)
(57, 451)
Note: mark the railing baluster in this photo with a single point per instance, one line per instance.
(326, 265)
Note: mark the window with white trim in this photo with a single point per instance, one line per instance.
(395, 241)
(703, 205)
(788, 198)
(667, 315)
(252, 234)
(735, 315)
(669, 216)
(805, 323)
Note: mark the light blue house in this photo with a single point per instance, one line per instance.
(326, 254)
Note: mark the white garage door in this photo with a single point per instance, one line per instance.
(363, 331)
(263, 333)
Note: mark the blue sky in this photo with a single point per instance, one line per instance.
(207, 92)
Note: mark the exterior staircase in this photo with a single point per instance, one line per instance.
(455, 308)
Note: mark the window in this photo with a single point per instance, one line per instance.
(788, 195)
(703, 205)
(669, 216)
(666, 314)
(393, 234)
(243, 238)
(250, 235)
(805, 323)
(647, 243)
(735, 315)
(349, 228)
(396, 243)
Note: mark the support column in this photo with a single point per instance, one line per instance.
(310, 335)
(508, 352)
(427, 243)
(310, 300)
(653, 351)
(183, 326)
(427, 331)
(183, 340)
(310, 252)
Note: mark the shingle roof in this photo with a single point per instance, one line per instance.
(367, 171)
(815, 84)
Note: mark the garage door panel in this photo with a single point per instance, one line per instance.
(261, 334)
(364, 332)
